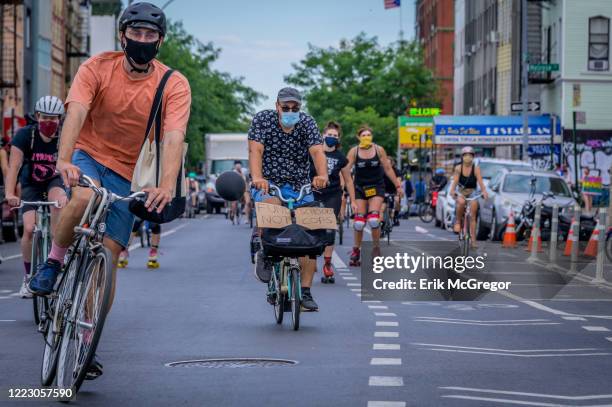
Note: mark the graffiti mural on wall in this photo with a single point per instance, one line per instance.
(594, 154)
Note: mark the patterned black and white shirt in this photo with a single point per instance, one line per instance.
(285, 157)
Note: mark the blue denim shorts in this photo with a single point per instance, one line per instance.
(119, 220)
(287, 191)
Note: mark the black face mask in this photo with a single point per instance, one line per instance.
(140, 52)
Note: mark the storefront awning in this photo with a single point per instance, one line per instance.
(492, 130)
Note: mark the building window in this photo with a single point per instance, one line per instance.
(599, 43)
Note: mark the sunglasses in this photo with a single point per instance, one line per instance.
(290, 109)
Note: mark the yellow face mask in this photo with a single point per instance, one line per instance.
(365, 142)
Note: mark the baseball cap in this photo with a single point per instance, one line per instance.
(289, 95)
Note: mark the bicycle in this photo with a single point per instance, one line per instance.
(387, 226)
(41, 245)
(82, 296)
(465, 233)
(427, 210)
(285, 284)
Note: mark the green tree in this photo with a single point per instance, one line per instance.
(220, 102)
(362, 82)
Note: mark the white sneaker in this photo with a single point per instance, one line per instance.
(23, 291)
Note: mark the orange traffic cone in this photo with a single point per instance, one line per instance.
(510, 233)
(591, 249)
(530, 244)
(571, 239)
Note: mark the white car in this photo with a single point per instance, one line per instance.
(445, 209)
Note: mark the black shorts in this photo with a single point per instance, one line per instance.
(330, 200)
(366, 192)
(36, 192)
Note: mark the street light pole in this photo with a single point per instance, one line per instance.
(525, 79)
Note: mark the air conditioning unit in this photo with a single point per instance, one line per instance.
(599, 66)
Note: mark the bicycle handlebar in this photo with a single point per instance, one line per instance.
(36, 203)
(304, 190)
(88, 182)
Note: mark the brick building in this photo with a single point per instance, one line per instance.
(435, 31)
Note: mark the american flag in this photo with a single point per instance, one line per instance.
(392, 3)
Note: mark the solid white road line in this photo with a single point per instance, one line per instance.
(11, 257)
(574, 318)
(386, 404)
(385, 314)
(609, 338)
(596, 328)
(386, 334)
(386, 346)
(5, 291)
(387, 323)
(395, 381)
(507, 401)
(533, 304)
(378, 307)
(386, 361)
(8, 320)
(540, 395)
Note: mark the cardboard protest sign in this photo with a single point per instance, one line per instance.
(272, 216)
(316, 218)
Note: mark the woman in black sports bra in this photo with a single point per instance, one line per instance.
(466, 178)
(371, 165)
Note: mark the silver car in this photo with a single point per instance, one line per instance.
(508, 190)
(489, 167)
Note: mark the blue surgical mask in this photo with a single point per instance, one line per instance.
(331, 141)
(290, 119)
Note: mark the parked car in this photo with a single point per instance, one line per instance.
(445, 209)
(213, 199)
(508, 191)
(201, 192)
(489, 167)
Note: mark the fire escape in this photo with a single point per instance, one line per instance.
(8, 43)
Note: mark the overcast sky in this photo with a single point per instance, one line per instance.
(261, 38)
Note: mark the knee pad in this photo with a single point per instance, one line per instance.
(373, 220)
(155, 228)
(359, 223)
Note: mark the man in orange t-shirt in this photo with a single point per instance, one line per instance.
(107, 111)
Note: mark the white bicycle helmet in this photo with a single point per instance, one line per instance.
(50, 105)
(467, 150)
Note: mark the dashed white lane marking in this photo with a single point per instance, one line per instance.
(337, 261)
(5, 291)
(386, 346)
(386, 361)
(356, 289)
(373, 301)
(386, 404)
(387, 323)
(596, 328)
(385, 314)
(353, 284)
(420, 229)
(8, 320)
(395, 381)
(574, 318)
(386, 334)
(378, 307)
(349, 278)
(609, 338)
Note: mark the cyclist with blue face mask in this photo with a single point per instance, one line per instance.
(281, 144)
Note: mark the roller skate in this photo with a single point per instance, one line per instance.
(123, 259)
(328, 273)
(152, 263)
(355, 260)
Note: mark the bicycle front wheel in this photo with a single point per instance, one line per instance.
(426, 213)
(39, 303)
(86, 321)
(296, 300)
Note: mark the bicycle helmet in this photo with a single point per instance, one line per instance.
(50, 105)
(467, 150)
(145, 15)
(440, 171)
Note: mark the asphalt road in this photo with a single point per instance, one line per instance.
(203, 302)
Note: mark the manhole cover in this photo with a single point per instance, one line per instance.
(233, 363)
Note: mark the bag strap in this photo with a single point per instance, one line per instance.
(157, 102)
